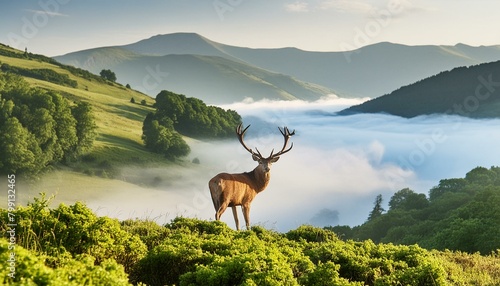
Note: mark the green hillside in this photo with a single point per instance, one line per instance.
(466, 91)
(119, 122)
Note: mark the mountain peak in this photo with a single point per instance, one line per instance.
(174, 36)
(176, 43)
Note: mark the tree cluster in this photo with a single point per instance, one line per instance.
(108, 75)
(459, 214)
(39, 127)
(42, 74)
(177, 114)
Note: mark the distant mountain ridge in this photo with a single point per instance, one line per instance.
(192, 65)
(466, 91)
(369, 71)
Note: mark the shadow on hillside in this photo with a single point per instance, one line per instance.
(120, 141)
(130, 112)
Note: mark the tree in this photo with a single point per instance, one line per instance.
(132, 100)
(85, 127)
(159, 138)
(407, 199)
(65, 128)
(447, 185)
(377, 209)
(108, 75)
(19, 149)
(170, 104)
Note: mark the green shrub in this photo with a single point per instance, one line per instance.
(30, 269)
(470, 269)
(200, 226)
(148, 231)
(246, 260)
(76, 230)
(311, 234)
(167, 262)
(327, 274)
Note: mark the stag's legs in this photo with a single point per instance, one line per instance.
(235, 215)
(220, 211)
(246, 214)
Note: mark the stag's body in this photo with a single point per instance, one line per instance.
(248, 184)
(231, 190)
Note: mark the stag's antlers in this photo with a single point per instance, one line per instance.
(285, 132)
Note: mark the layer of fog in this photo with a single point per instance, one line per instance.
(337, 166)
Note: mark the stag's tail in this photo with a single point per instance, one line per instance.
(216, 192)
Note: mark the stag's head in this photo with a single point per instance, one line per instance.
(265, 163)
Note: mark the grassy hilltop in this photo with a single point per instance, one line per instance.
(119, 122)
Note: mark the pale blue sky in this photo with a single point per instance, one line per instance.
(55, 27)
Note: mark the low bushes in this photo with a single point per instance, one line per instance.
(70, 245)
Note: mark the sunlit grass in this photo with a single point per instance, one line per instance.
(118, 120)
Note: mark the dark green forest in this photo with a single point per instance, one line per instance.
(458, 214)
(40, 127)
(70, 245)
(465, 91)
(42, 74)
(178, 115)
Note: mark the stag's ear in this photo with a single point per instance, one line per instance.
(275, 159)
(255, 157)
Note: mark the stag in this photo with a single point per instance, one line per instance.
(231, 190)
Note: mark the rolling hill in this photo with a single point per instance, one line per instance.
(466, 91)
(192, 66)
(118, 120)
(364, 72)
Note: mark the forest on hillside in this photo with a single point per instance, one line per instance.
(177, 115)
(461, 214)
(465, 91)
(40, 127)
